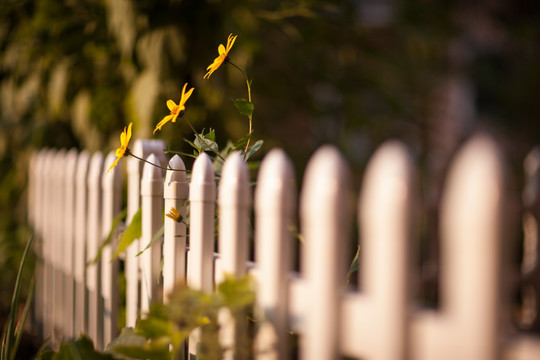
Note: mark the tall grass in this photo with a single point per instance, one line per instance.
(14, 328)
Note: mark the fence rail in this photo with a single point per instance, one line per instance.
(73, 200)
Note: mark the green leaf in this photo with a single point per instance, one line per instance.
(132, 233)
(244, 106)
(10, 337)
(107, 241)
(82, 349)
(237, 293)
(206, 142)
(156, 236)
(254, 148)
(354, 265)
(152, 327)
(241, 143)
(136, 346)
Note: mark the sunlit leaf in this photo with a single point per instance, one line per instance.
(254, 148)
(244, 106)
(132, 233)
(237, 292)
(108, 240)
(155, 238)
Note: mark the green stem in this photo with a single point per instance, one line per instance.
(245, 77)
(148, 162)
(249, 99)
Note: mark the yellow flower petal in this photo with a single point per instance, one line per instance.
(125, 136)
(113, 164)
(175, 109)
(221, 49)
(129, 133)
(174, 214)
(185, 96)
(223, 54)
(230, 42)
(163, 121)
(171, 105)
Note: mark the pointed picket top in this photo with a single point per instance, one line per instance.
(472, 228)
(203, 180)
(275, 178)
(325, 209)
(31, 200)
(158, 147)
(96, 169)
(384, 212)
(113, 177)
(71, 163)
(178, 174)
(38, 199)
(151, 181)
(234, 200)
(83, 163)
(141, 148)
(234, 180)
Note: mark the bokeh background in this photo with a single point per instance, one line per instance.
(352, 73)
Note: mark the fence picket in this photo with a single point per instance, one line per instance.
(234, 203)
(56, 248)
(81, 203)
(73, 202)
(36, 202)
(47, 223)
(472, 226)
(325, 221)
(93, 272)
(175, 194)
(112, 204)
(275, 200)
(379, 329)
(141, 148)
(202, 197)
(152, 207)
(68, 224)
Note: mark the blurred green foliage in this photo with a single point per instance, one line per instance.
(73, 73)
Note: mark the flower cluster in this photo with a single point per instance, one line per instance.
(176, 110)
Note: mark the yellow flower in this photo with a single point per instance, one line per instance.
(176, 110)
(175, 215)
(223, 56)
(125, 136)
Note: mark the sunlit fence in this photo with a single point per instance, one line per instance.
(73, 201)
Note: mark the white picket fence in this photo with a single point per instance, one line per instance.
(72, 201)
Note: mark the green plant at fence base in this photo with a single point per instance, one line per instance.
(13, 330)
(79, 349)
(160, 334)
